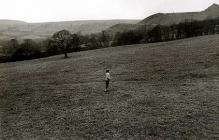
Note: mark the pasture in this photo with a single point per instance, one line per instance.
(167, 90)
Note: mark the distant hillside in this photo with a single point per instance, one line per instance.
(6, 24)
(11, 22)
(21, 30)
(121, 27)
(211, 12)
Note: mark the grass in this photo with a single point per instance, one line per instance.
(164, 90)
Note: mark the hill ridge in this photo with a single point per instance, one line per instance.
(175, 18)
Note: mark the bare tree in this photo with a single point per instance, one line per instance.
(62, 40)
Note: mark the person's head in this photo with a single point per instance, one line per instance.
(107, 71)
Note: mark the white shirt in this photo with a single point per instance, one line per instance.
(107, 76)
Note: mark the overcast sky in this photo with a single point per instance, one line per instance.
(62, 10)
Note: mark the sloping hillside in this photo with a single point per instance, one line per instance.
(165, 90)
(211, 12)
(14, 29)
(11, 22)
(121, 28)
(175, 18)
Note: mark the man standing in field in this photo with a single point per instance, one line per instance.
(107, 79)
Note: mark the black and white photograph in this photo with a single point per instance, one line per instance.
(109, 69)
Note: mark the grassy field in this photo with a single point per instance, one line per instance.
(166, 90)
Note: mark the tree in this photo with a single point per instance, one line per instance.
(62, 40)
(104, 39)
(52, 47)
(27, 50)
(127, 38)
(10, 47)
(93, 42)
(74, 41)
(155, 34)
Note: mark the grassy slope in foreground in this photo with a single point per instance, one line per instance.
(163, 90)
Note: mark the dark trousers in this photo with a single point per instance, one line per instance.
(107, 84)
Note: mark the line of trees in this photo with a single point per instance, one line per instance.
(28, 49)
(63, 42)
(165, 33)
